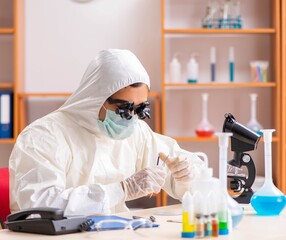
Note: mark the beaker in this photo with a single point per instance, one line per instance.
(259, 71)
(253, 124)
(204, 129)
(235, 209)
(268, 200)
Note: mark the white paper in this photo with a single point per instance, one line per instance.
(5, 109)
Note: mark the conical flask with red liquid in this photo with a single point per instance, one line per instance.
(205, 128)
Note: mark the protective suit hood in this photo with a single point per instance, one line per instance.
(110, 71)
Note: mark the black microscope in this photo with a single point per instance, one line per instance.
(242, 140)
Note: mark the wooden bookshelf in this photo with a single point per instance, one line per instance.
(220, 31)
(176, 32)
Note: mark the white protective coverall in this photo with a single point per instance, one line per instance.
(63, 160)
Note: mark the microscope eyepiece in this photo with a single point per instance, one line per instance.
(243, 138)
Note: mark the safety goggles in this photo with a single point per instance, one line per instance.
(113, 224)
(126, 108)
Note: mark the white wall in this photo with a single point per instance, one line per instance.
(62, 36)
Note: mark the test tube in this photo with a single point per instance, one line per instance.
(231, 64)
(223, 216)
(199, 225)
(199, 214)
(223, 207)
(188, 226)
(207, 226)
(223, 145)
(213, 61)
(213, 210)
(214, 221)
(267, 135)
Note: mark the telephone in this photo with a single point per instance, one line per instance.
(44, 220)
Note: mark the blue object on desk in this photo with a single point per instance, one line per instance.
(113, 222)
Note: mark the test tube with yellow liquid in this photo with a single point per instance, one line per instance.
(188, 227)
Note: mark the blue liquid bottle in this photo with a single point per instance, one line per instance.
(268, 200)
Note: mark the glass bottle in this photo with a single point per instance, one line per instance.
(253, 124)
(199, 209)
(175, 69)
(204, 129)
(188, 227)
(213, 213)
(268, 200)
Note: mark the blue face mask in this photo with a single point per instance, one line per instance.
(116, 127)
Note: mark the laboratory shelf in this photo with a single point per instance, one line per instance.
(6, 85)
(6, 31)
(48, 95)
(7, 140)
(209, 139)
(175, 86)
(38, 94)
(220, 31)
(196, 139)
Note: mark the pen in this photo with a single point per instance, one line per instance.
(152, 218)
(162, 160)
(174, 221)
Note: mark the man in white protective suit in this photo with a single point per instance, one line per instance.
(95, 152)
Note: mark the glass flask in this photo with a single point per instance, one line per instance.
(253, 124)
(235, 209)
(268, 200)
(204, 129)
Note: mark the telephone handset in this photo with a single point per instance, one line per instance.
(45, 213)
(45, 220)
